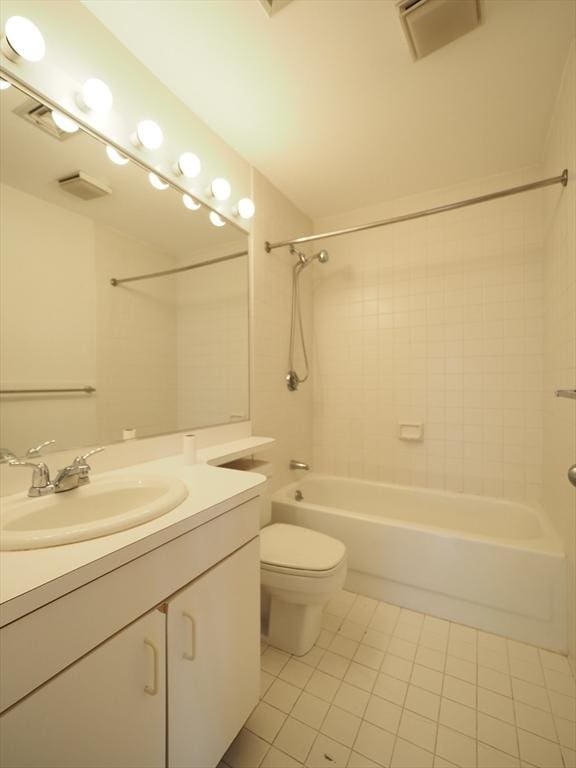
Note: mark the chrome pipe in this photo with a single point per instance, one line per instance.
(562, 179)
(119, 280)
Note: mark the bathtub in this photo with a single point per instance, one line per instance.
(488, 563)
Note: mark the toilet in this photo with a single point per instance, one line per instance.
(300, 570)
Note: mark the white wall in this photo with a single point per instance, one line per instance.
(47, 321)
(560, 328)
(62, 324)
(284, 415)
(439, 321)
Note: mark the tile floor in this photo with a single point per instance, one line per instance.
(385, 686)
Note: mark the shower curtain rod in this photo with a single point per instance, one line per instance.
(562, 179)
(118, 280)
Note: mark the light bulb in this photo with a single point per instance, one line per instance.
(220, 189)
(216, 219)
(64, 122)
(148, 134)
(188, 165)
(245, 208)
(116, 156)
(95, 96)
(4, 84)
(23, 39)
(190, 203)
(157, 182)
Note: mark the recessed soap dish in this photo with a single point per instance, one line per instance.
(411, 431)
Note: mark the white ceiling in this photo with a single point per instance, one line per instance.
(325, 99)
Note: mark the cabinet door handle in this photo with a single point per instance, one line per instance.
(153, 689)
(192, 655)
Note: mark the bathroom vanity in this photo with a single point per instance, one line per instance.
(139, 648)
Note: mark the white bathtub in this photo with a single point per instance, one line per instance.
(488, 563)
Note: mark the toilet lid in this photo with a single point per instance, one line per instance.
(290, 546)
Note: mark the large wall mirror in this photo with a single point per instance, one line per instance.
(156, 355)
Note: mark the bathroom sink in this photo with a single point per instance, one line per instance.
(97, 509)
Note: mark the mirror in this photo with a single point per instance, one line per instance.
(156, 355)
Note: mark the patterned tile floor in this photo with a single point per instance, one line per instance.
(385, 686)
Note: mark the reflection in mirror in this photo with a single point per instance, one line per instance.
(158, 355)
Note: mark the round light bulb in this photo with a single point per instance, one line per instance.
(116, 156)
(157, 182)
(95, 96)
(148, 134)
(220, 189)
(190, 203)
(246, 208)
(189, 165)
(64, 122)
(23, 39)
(216, 219)
(4, 84)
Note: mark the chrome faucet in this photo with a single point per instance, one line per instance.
(295, 464)
(68, 478)
(41, 485)
(75, 474)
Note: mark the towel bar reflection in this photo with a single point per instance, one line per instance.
(87, 390)
(569, 393)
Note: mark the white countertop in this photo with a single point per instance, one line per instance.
(31, 578)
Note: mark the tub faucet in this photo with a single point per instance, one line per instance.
(295, 464)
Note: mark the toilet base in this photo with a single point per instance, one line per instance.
(292, 627)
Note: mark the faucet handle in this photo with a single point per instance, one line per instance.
(82, 459)
(6, 455)
(37, 451)
(40, 477)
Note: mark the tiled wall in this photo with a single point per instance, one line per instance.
(136, 323)
(439, 321)
(213, 354)
(284, 415)
(560, 327)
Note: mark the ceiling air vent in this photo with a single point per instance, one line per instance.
(41, 117)
(83, 186)
(431, 24)
(273, 6)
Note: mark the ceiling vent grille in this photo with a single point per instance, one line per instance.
(83, 186)
(432, 24)
(273, 6)
(41, 117)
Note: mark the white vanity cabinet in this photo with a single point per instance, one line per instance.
(213, 672)
(108, 709)
(168, 686)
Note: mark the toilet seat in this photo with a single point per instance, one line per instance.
(297, 551)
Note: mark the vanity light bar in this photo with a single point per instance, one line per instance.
(23, 40)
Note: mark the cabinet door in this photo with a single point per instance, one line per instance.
(213, 659)
(105, 711)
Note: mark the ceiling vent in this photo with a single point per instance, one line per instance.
(83, 186)
(273, 6)
(41, 117)
(431, 24)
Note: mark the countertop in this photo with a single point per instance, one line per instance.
(32, 578)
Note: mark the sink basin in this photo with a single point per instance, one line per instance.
(97, 509)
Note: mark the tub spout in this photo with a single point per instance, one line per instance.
(295, 464)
